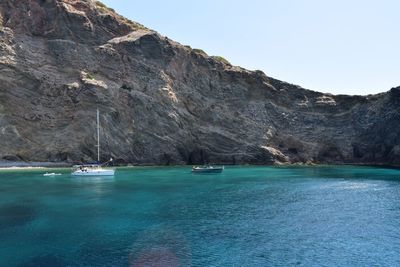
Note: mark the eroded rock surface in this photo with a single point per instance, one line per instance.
(162, 102)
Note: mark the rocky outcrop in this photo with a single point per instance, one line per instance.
(162, 102)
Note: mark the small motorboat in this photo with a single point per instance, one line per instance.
(207, 169)
(51, 174)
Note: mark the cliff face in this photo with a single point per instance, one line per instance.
(164, 103)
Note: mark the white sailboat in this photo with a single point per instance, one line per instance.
(93, 169)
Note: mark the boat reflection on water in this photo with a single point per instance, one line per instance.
(51, 174)
(94, 186)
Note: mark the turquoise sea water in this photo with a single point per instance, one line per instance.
(246, 216)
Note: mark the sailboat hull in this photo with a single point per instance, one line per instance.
(99, 172)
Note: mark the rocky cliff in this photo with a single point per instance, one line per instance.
(162, 102)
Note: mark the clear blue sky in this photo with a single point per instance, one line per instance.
(340, 47)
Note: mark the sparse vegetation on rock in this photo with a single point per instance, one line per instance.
(163, 103)
(221, 59)
(103, 7)
(199, 51)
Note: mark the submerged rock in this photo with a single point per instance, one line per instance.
(162, 102)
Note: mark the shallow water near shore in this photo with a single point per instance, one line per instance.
(246, 216)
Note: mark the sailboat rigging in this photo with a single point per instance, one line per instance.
(93, 169)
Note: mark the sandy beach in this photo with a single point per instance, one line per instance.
(4, 164)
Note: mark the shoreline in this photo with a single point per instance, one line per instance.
(22, 165)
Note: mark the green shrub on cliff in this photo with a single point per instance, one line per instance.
(103, 7)
(199, 51)
(134, 25)
(89, 76)
(100, 4)
(221, 59)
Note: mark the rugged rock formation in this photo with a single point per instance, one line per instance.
(162, 102)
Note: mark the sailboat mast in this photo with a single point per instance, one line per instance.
(98, 136)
